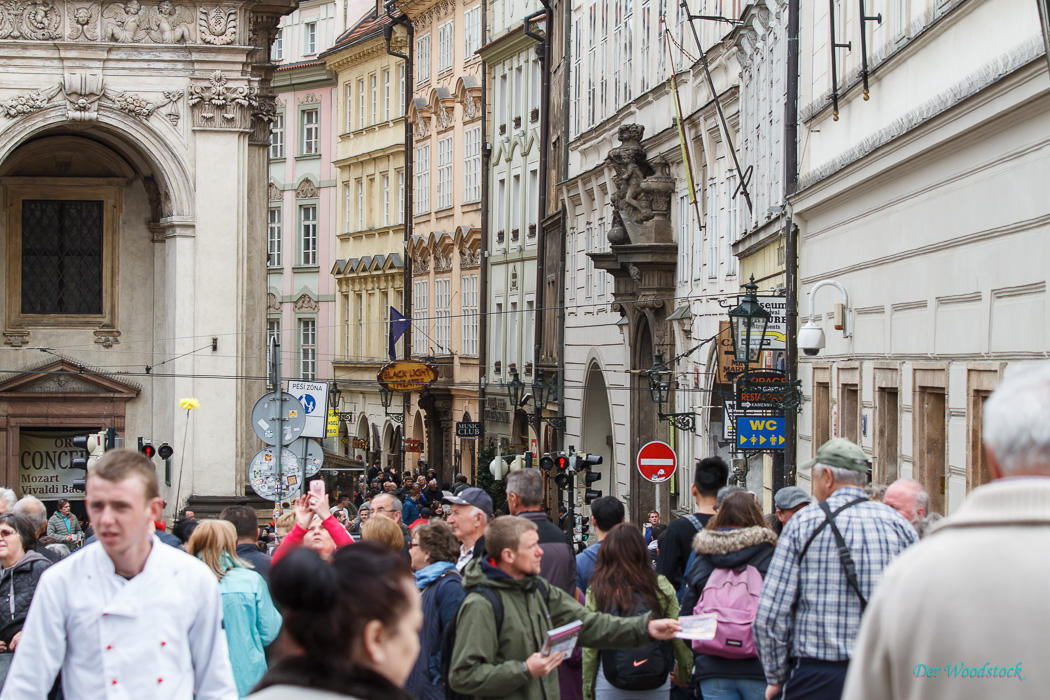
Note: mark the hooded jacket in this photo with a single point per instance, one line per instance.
(17, 585)
(490, 666)
(726, 549)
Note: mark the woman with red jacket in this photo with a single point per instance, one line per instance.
(315, 528)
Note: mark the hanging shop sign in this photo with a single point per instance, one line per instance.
(407, 377)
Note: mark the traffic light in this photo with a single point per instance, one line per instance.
(95, 446)
(547, 462)
(165, 451)
(562, 464)
(148, 449)
(585, 527)
(587, 463)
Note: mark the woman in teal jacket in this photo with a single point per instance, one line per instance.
(249, 616)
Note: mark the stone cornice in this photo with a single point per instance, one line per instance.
(340, 60)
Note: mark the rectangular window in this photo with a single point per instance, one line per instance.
(588, 264)
(347, 211)
(501, 100)
(386, 95)
(62, 264)
(470, 315)
(643, 77)
(310, 38)
(473, 32)
(519, 90)
(535, 85)
(732, 222)
(274, 237)
(501, 211)
(497, 336)
(684, 242)
(423, 59)
(349, 92)
(360, 205)
(419, 317)
(592, 66)
(308, 235)
(849, 400)
(513, 321)
(627, 50)
(442, 315)
(887, 426)
(712, 230)
(373, 91)
(423, 179)
(572, 267)
(530, 329)
(603, 62)
(515, 203)
(346, 326)
(400, 196)
(308, 349)
(359, 326)
(444, 183)
(602, 275)
(533, 199)
(277, 48)
(446, 47)
(361, 103)
(273, 330)
(401, 89)
(311, 145)
(277, 137)
(472, 159)
(577, 80)
(386, 200)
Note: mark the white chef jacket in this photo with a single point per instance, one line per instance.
(159, 635)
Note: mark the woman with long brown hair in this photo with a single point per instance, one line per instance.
(623, 583)
(733, 549)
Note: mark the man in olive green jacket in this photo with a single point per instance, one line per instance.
(509, 665)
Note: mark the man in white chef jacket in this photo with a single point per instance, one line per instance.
(127, 617)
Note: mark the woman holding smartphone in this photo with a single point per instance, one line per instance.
(315, 526)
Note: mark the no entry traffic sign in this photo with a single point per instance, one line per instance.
(657, 461)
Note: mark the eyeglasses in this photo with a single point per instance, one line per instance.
(413, 544)
(7, 533)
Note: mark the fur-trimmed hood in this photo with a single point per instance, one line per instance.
(721, 542)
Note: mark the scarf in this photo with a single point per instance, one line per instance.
(428, 574)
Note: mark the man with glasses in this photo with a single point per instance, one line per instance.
(824, 570)
(388, 506)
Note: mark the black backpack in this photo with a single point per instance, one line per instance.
(639, 668)
(448, 639)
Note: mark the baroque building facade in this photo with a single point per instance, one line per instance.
(134, 181)
(916, 186)
(446, 243)
(369, 270)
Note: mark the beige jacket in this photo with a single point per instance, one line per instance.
(964, 614)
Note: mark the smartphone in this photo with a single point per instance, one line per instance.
(317, 488)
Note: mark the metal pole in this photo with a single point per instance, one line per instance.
(275, 355)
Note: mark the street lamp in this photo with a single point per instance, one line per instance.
(333, 395)
(660, 390)
(542, 393)
(746, 322)
(385, 394)
(514, 387)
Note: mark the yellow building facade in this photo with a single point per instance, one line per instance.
(369, 270)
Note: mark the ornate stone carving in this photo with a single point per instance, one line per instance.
(514, 280)
(305, 303)
(421, 265)
(134, 105)
(83, 92)
(20, 19)
(471, 107)
(443, 117)
(306, 190)
(16, 339)
(272, 304)
(125, 23)
(171, 24)
(275, 193)
(82, 21)
(308, 98)
(422, 126)
(21, 105)
(469, 258)
(641, 201)
(264, 114)
(217, 104)
(174, 113)
(107, 337)
(218, 25)
(63, 384)
(442, 263)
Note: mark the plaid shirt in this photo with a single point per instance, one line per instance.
(808, 610)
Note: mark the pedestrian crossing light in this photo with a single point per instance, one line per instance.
(165, 451)
(562, 464)
(148, 450)
(95, 446)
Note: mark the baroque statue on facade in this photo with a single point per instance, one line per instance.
(642, 198)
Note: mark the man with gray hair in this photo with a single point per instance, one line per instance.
(969, 595)
(34, 510)
(824, 570)
(387, 505)
(7, 500)
(909, 498)
(525, 500)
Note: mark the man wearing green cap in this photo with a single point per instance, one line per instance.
(825, 569)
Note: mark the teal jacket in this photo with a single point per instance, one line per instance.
(489, 666)
(251, 622)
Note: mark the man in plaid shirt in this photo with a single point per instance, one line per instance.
(809, 612)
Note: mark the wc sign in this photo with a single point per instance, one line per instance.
(760, 433)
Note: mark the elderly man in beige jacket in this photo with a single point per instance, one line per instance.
(964, 614)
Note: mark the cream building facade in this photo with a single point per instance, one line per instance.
(445, 250)
(924, 203)
(369, 270)
(133, 154)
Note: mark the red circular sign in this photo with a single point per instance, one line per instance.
(657, 461)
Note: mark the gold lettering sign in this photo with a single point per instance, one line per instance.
(407, 376)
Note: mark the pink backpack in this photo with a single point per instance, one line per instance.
(733, 597)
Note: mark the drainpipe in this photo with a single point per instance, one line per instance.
(786, 475)
(483, 281)
(406, 215)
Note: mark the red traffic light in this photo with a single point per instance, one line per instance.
(149, 450)
(562, 463)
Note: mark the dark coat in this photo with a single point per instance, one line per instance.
(17, 586)
(726, 549)
(558, 565)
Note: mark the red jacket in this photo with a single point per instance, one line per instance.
(295, 538)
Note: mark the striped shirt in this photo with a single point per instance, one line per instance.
(807, 609)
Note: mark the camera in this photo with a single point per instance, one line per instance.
(811, 339)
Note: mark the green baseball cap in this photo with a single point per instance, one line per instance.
(840, 452)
